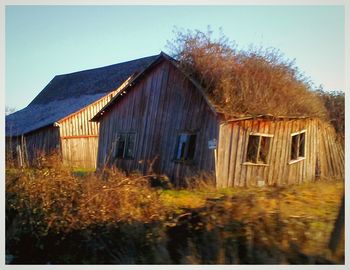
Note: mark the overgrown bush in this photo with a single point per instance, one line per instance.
(335, 103)
(245, 82)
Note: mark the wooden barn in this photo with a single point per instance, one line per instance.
(58, 118)
(163, 122)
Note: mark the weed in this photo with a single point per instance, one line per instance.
(55, 216)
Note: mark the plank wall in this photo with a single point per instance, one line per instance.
(41, 142)
(79, 136)
(323, 154)
(158, 108)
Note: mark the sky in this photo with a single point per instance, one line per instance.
(44, 41)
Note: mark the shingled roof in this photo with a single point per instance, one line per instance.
(68, 93)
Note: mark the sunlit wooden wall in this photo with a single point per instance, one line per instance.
(79, 136)
(324, 156)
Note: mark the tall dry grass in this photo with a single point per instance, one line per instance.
(54, 215)
(52, 197)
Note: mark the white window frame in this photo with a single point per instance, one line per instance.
(258, 151)
(299, 158)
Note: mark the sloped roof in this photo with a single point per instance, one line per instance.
(216, 109)
(161, 57)
(68, 93)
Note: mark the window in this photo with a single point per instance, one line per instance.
(297, 149)
(186, 146)
(125, 145)
(258, 148)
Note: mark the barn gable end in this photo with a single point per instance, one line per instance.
(154, 113)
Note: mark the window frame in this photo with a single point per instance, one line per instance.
(266, 135)
(126, 144)
(186, 150)
(299, 158)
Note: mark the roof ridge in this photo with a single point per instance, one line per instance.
(101, 67)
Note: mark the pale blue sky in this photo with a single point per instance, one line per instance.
(44, 41)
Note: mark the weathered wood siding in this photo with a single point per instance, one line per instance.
(74, 136)
(162, 105)
(80, 152)
(323, 155)
(41, 142)
(79, 136)
(330, 152)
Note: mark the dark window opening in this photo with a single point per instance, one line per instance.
(298, 146)
(253, 146)
(120, 145)
(302, 144)
(125, 145)
(258, 149)
(264, 149)
(186, 147)
(294, 150)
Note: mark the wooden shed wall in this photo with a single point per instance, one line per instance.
(321, 150)
(79, 136)
(40, 142)
(330, 152)
(157, 109)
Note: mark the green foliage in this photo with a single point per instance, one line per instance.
(83, 171)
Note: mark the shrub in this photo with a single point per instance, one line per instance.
(254, 81)
(334, 101)
(55, 216)
(51, 197)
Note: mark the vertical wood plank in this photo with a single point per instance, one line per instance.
(233, 155)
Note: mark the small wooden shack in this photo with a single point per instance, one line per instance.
(267, 150)
(163, 122)
(58, 118)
